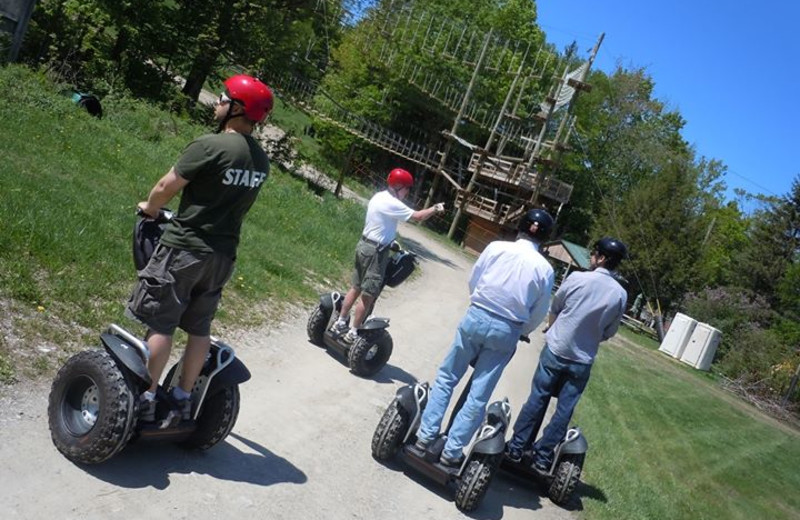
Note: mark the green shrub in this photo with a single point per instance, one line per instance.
(755, 349)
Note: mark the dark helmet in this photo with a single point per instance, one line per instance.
(611, 248)
(542, 218)
(399, 178)
(254, 95)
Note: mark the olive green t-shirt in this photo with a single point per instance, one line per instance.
(225, 173)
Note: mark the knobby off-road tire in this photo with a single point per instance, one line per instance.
(92, 409)
(216, 420)
(389, 433)
(367, 356)
(474, 483)
(567, 475)
(316, 325)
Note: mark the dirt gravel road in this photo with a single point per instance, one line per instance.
(301, 446)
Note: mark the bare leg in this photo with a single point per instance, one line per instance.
(349, 300)
(193, 359)
(160, 346)
(363, 304)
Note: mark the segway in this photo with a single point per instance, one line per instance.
(396, 433)
(373, 346)
(561, 478)
(93, 408)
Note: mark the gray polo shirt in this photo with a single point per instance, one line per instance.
(588, 308)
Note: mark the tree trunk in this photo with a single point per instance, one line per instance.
(201, 67)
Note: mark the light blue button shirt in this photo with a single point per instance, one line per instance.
(588, 308)
(514, 281)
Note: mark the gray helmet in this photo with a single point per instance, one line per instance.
(542, 218)
(611, 248)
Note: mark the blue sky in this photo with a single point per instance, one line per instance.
(732, 69)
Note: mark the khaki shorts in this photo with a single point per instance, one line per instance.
(370, 263)
(180, 288)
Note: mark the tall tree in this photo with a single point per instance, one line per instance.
(773, 248)
(624, 136)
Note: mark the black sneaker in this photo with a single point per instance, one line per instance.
(147, 410)
(449, 463)
(422, 444)
(513, 455)
(540, 469)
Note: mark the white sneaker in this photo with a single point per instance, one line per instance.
(351, 336)
(339, 327)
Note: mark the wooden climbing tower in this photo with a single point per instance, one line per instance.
(496, 186)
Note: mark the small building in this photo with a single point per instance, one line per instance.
(566, 256)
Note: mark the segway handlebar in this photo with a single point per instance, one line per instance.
(132, 340)
(164, 215)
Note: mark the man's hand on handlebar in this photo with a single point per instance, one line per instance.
(144, 210)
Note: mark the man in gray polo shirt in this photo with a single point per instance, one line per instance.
(586, 310)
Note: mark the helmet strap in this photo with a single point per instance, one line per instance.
(228, 116)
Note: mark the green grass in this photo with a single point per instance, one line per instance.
(296, 122)
(70, 184)
(666, 443)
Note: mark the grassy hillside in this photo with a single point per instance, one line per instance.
(666, 442)
(70, 184)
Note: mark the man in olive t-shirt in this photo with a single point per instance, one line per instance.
(220, 176)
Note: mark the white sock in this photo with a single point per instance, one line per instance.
(148, 396)
(180, 394)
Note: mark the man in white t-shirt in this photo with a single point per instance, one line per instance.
(384, 211)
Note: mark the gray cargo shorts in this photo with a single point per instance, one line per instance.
(370, 265)
(179, 288)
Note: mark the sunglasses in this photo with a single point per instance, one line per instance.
(223, 99)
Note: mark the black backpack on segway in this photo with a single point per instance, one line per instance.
(371, 351)
(93, 409)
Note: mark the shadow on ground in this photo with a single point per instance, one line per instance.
(423, 252)
(503, 492)
(523, 486)
(150, 464)
(388, 374)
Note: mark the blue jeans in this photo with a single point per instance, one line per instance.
(488, 340)
(554, 377)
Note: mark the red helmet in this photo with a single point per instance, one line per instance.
(399, 178)
(252, 93)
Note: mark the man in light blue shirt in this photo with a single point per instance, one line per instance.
(586, 310)
(509, 292)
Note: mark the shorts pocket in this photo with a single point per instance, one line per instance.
(153, 297)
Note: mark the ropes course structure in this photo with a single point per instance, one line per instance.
(302, 94)
(434, 54)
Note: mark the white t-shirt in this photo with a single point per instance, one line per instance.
(383, 213)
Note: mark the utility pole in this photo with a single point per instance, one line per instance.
(581, 80)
